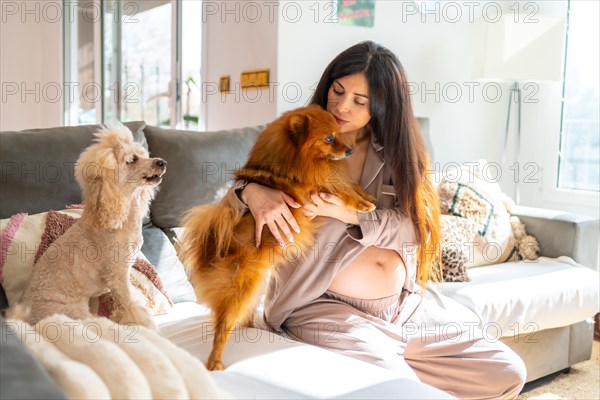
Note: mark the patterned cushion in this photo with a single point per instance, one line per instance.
(24, 239)
(469, 196)
(472, 205)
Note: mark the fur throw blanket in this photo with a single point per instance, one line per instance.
(99, 359)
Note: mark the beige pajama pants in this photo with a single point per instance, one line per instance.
(436, 340)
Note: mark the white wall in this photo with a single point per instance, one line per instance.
(238, 39)
(31, 72)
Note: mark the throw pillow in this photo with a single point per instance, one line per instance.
(20, 239)
(468, 195)
(213, 155)
(24, 239)
(457, 235)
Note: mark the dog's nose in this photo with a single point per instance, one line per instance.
(348, 151)
(161, 163)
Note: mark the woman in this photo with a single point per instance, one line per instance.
(360, 291)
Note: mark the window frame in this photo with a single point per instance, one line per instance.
(551, 176)
(71, 68)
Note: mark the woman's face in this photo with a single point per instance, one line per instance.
(348, 101)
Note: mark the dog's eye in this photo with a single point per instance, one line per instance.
(329, 139)
(134, 159)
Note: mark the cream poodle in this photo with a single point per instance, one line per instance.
(95, 255)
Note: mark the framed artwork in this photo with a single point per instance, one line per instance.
(254, 79)
(356, 12)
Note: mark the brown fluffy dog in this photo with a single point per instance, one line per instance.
(118, 180)
(296, 153)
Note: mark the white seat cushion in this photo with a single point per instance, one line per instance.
(525, 297)
(261, 364)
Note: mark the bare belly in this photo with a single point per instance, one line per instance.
(374, 274)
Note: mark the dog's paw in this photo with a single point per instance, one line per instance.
(137, 315)
(366, 206)
(146, 322)
(360, 205)
(215, 365)
(363, 200)
(150, 324)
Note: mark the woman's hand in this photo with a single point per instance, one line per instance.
(270, 207)
(329, 205)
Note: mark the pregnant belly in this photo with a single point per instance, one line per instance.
(374, 274)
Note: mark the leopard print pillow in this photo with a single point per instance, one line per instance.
(458, 236)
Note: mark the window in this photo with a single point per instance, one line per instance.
(83, 92)
(137, 62)
(579, 155)
(134, 52)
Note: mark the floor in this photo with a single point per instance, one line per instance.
(582, 382)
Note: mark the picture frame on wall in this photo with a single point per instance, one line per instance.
(224, 84)
(356, 13)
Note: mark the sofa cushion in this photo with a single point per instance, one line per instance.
(160, 252)
(37, 166)
(200, 167)
(528, 296)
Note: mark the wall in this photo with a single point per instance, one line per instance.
(31, 72)
(238, 38)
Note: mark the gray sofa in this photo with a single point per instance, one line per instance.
(37, 175)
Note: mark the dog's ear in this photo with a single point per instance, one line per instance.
(106, 204)
(145, 198)
(297, 128)
(91, 164)
(97, 173)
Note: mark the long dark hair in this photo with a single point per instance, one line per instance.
(395, 127)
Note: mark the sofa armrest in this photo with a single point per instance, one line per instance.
(562, 234)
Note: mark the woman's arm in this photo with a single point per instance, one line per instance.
(385, 228)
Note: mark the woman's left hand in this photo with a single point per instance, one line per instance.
(329, 205)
